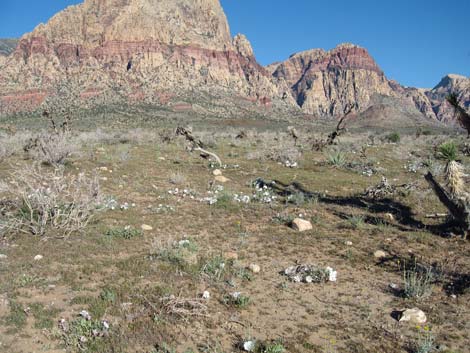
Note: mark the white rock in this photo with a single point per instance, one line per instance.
(254, 268)
(389, 217)
(206, 295)
(38, 257)
(414, 316)
(301, 225)
(348, 243)
(221, 179)
(249, 346)
(217, 172)
(332, 274)
(380, 254)
(85, 314)
(146, 227)
(3, 257)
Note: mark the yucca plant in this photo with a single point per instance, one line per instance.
(448, 151)
(336, 158)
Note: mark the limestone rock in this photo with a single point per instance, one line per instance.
(221, 179)
(146, 227)
(217, 172)
(254, 268)
(380, 254)
(301, 225)
(414, 316)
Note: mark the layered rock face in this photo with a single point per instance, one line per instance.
(326, 83)
(150, 48)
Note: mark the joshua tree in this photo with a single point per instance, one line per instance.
(454, 195)
(462, 115)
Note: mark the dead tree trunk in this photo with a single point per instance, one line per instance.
(197, 145)
(458, 209)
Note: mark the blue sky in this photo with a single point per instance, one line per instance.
(415, 42)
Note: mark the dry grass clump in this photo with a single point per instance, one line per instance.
(184, 307)
(37, 199)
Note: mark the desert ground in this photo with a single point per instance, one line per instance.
(122, 239)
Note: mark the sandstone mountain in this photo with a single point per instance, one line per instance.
(326, 83)
(157, 50)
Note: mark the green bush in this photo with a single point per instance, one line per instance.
(394, 137)
(448, 151)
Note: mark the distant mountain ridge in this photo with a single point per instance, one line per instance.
(7, 46)
(171, 52)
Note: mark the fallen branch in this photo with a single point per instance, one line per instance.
(197, 145)
(437, 215)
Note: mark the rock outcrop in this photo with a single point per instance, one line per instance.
(326, 83)
(151, 49)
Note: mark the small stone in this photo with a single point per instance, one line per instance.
(38, 257)
(162, 158)
(146, 227)
(104, 169)
(254, 268)
(85, 314)
(221, 179)
(249, 346)
(348, 243)
(380, 254)
(301, 225)
(389, 217)
(3, 257)
(414, 316)
(217, 172)
(206, 295)
(231, 255)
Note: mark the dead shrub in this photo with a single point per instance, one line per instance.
(37, 199)
(52, 148)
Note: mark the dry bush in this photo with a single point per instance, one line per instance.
(52, 148)
(280, 153)
(184, 307)
(97, 137)
(13, 144)
(38, 198)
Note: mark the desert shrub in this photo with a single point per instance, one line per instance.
(394, 137)
(127, 232)
(38, 198)
(447, 151)
(177, 179)
(52, 148)
(13, 144)
(336, 158)
(417, 282)
(279, 154)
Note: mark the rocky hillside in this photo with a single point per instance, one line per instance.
(155, 50)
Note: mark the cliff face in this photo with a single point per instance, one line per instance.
(150, 47)
(325, 83)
